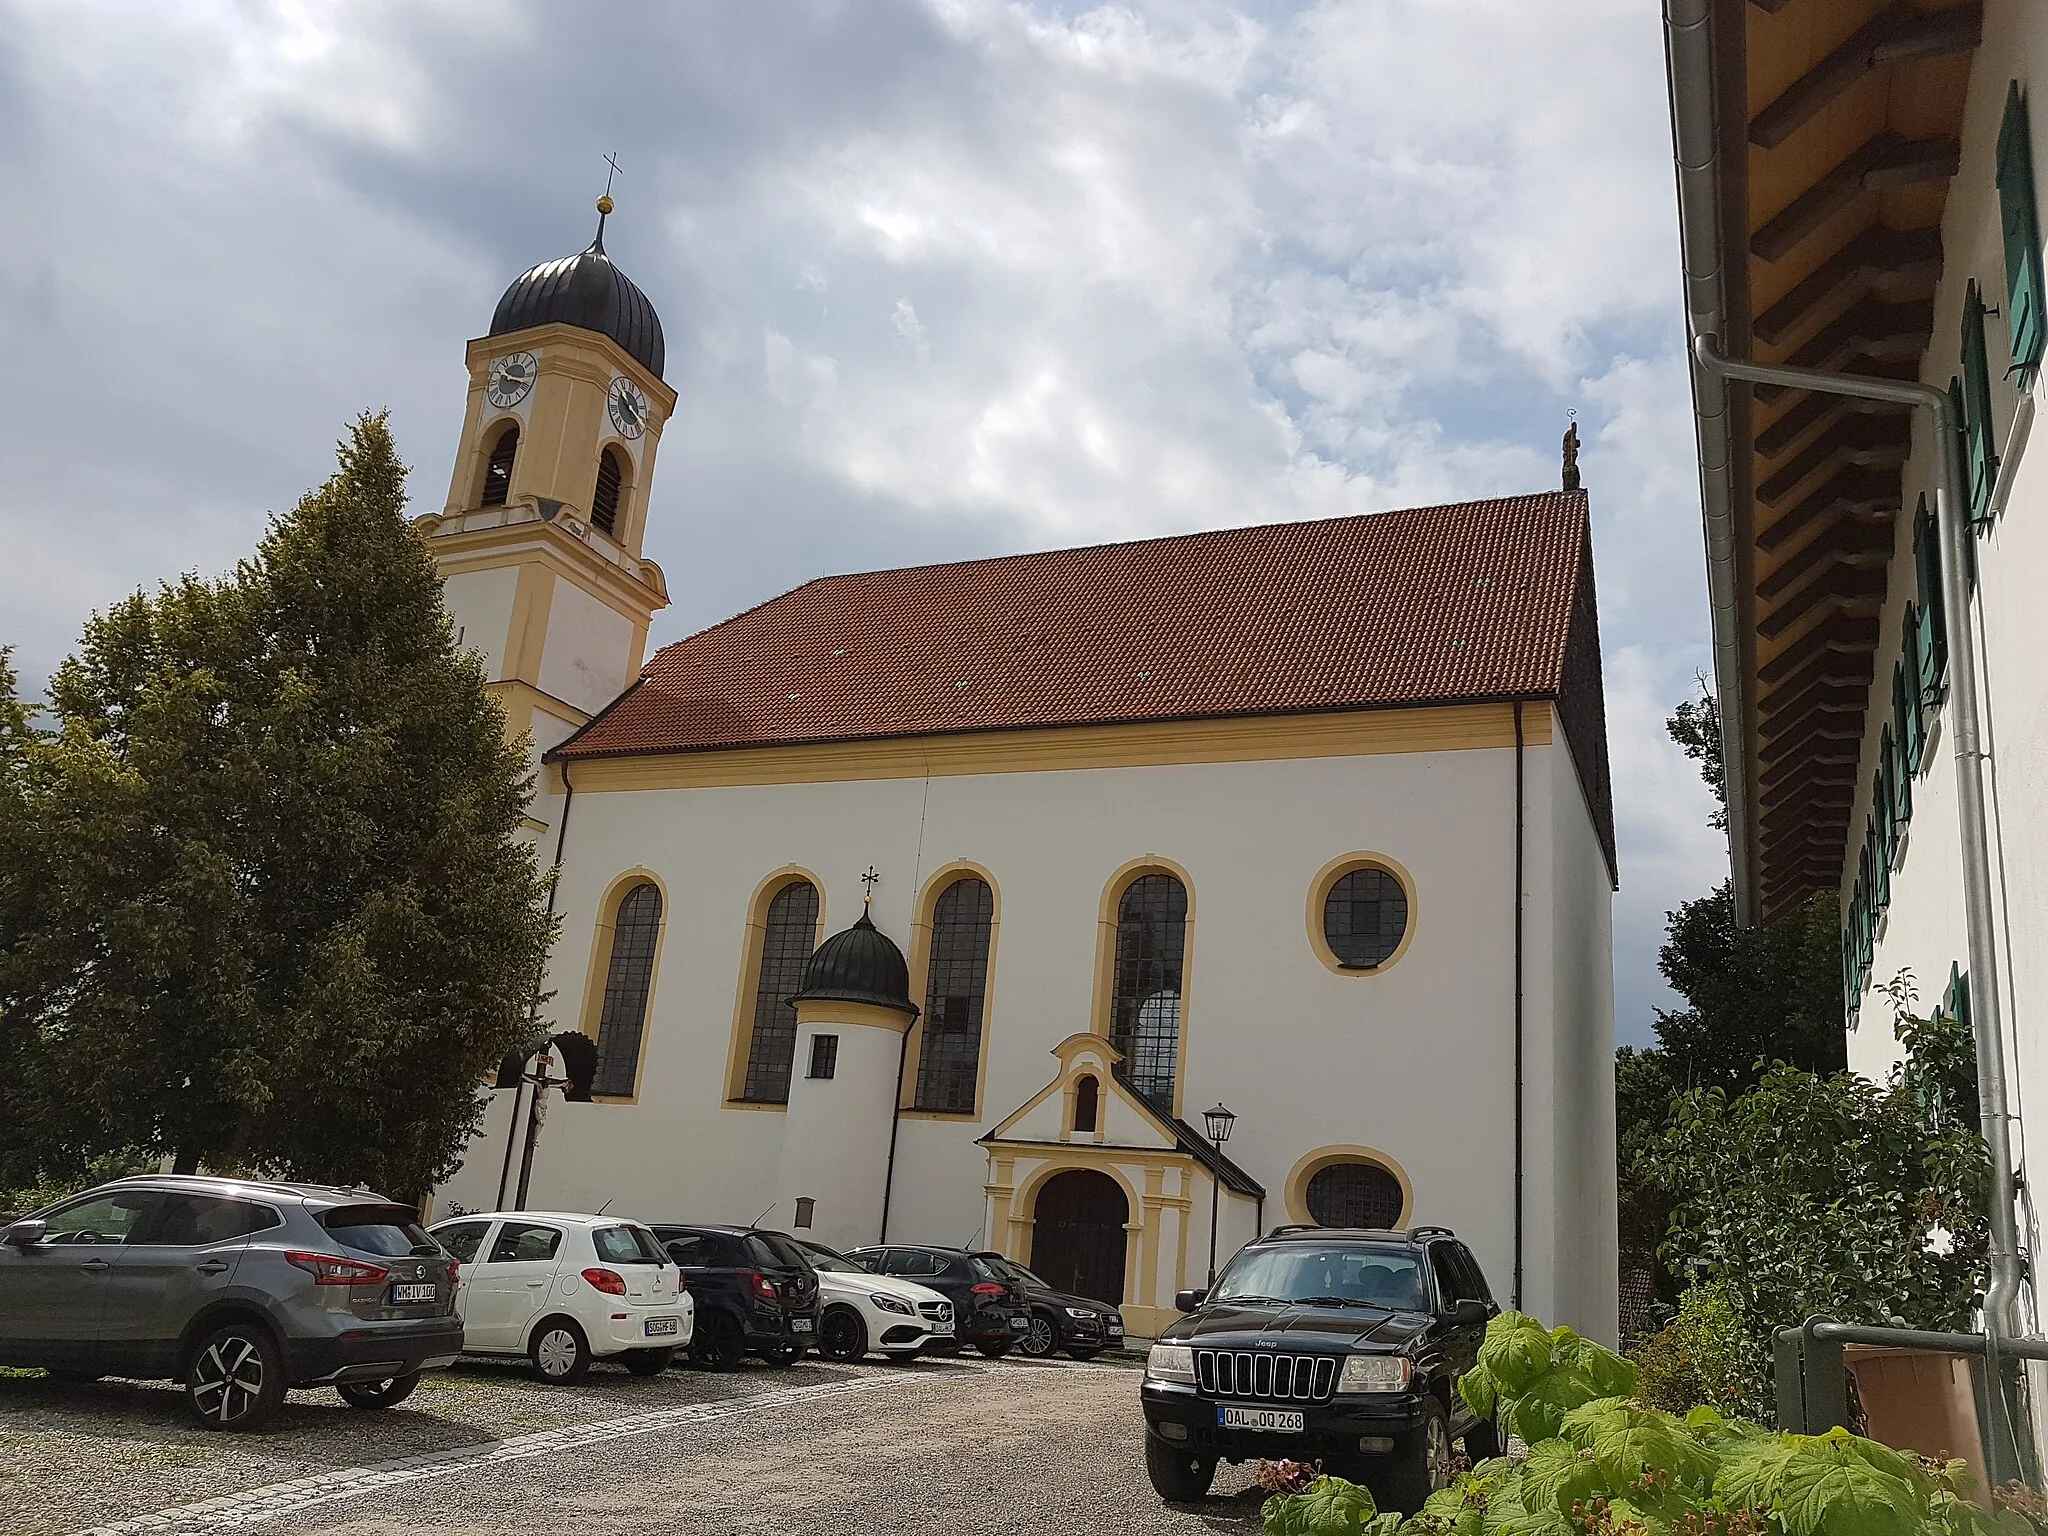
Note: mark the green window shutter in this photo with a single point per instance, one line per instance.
(1851, 993)
(1906, 682)
(1890, 777)
(1956, 1001)
(1906, 733)
(1933, 633)
(1980, 448)
(1880, 868)
(2022, 226)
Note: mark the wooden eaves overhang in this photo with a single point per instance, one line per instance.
(1838, 139)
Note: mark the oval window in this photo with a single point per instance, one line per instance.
(1365, 918)
(1354, 1195)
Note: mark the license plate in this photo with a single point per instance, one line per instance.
(1020, 1323)
(412, 1291)
(1283, 1421)
(1117, 1329)
(799, 1325)
(656, 1325)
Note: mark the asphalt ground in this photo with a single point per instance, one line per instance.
(937, 1446)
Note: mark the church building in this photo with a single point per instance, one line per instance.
(944, 904)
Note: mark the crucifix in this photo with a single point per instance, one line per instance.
(870, 880)
(611, 160)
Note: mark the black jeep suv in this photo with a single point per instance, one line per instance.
(755, 1293)
(1343, 1346)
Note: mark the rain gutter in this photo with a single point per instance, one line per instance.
(1690, 59)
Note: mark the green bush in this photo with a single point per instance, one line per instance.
(1702, 1360)
(1602, 1463)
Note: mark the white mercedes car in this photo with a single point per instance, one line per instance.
(564, 1290)
(859, 1311)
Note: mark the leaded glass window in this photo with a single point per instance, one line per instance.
(956, 993)
(1354, 1195)
(1144, 1018)
(1365, 917)
(628, 976)
(790, 934)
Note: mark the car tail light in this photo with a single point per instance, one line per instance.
(763, 1286)
(333, 1269)
(611, 1282)
(986, 1288)
(454, 1270)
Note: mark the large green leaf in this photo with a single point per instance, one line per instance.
(1820, 1486)
(1635, 1440)
(1589, 1420)
(1558, 1475)
(1516, 1352)
(1477, 1388)
(1614, 1376)
(1329, 1506)
(1539, 1412)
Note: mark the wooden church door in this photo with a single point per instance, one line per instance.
(1077, 1234)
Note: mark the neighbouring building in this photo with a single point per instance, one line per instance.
(1858, 194)
(938, 904)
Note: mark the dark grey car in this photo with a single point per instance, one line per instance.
(236, 1288)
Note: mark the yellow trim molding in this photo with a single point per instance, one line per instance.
(1319, 893)
(598, 971)
(741, 1044)
(1250, 739)
(827, 1010)
(920, 976)
(1296, 1194)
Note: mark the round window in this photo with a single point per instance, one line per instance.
(1354, 1195)
(1365, 917)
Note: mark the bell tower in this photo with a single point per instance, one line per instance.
(547, 510)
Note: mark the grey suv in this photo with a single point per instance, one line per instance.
(235, 1288)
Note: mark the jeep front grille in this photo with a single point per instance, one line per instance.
(1261, 1374)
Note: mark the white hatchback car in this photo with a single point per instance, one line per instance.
(565, 1289)
(859, 1310)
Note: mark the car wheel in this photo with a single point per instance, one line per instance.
(1421, 1463)
(648, 1362)
(1084, 1354)
(784, 1354)
(1485, 1441)
(1041, 1338)
(379, 1394)
(994, 1351)
(235, 1378)
(560, 1353)
(718, 1344)
(842, 1335)
(1179, 1477)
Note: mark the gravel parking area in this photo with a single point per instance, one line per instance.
(937, 1446)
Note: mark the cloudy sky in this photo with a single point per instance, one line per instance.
(941, 278)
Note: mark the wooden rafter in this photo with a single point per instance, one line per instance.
(1869, 328)
(1845, 541)
(1885, 160)
(1867, 442)
(1835, 669)
(1818, 410)
(1852, 492)
(1841, 633)
(1897, 35)
(1898, 262)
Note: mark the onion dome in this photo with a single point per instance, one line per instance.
(861, 965)
(586, 291)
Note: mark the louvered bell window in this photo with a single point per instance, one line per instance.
(498, 472)
(604, 501)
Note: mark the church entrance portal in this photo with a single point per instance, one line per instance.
(1077, 1234)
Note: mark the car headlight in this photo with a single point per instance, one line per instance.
(1083, 1312)
(1171, 1362)
(1373, 1373)
(891, 1304)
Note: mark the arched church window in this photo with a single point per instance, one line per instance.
(1144, 1017)
(790, 933)
(956, 992)
(1087, 1099)
(498, 471)
(628, 976)
(604, 501)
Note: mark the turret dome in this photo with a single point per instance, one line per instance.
(861, 965)
(587, 291)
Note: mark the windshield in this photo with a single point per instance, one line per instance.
(1332, 1274)
(826, 1262)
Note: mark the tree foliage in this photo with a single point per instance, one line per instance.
(1696, 726)
(263, 902)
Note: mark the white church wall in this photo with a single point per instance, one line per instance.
(480, 605)
(1413, 1061)
(589, 648)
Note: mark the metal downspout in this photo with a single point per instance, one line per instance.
(1986, 1006)
(1689, 63)
(1689, 58)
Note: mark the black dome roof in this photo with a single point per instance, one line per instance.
(587, 291)
(861, 965)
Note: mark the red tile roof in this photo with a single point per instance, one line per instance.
(1439, 605)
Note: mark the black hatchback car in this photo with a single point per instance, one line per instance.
(1342, 1346)
(755, 1293)
(989, 1309)
(1081, 1325)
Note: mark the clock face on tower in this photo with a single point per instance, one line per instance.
(511, 380)
(628, 408)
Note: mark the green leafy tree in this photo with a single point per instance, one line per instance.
(273, 910)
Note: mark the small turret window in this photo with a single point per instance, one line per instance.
(604, 501)
(1086, 1094)
(498, 472)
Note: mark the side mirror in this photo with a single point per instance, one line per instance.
(1187, 1301)
(1470, 1314)
(23, 1234)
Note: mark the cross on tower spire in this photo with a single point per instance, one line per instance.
(870, 880)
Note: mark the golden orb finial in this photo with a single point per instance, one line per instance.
(604, 203)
